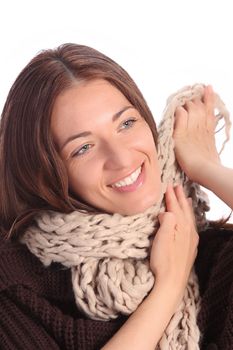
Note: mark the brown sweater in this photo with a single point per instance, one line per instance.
(37, 308)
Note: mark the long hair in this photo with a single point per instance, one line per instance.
(33, 176)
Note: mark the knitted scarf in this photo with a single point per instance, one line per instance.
(109, 254)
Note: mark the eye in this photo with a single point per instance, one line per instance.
(128, 123)
(85, 148)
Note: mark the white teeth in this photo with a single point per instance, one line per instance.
(129, 179)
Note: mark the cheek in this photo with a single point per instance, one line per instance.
(145, 136)
(152, 152)
(149, 143)
(83, 177)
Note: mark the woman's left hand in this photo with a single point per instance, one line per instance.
(194, 138)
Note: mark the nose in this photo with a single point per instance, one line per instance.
(117, 156)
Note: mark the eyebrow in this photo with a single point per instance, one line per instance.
(86, 133)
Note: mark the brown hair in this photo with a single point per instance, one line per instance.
(33, 176)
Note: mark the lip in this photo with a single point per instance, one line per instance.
(133, 187)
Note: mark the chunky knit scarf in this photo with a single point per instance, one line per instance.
(109, 254)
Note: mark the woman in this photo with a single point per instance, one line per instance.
(81, 179)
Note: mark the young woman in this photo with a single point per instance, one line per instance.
(82, 190)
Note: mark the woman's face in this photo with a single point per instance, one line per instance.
(107, 148)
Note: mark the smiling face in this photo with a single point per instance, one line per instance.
(107, 148)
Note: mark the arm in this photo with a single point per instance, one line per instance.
(145, 326)
(172, 255)
(195, 148)
(219, 179)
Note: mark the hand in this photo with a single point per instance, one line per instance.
(172, 255)
(174, 248)
(194, 138)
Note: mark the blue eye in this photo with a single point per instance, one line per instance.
(128, 123)
(82, 150)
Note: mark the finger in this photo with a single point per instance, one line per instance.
(190, 202)
(181, 197)
(199, 108)
(198, 101)
(167, 222)
(171, 200)
(181, 120)
(209, 99)
(188, 106)
(196, 114)
(185, 203)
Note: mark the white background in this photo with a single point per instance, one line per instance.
(164, 44)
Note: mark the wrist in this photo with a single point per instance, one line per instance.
(169, 290)
(206, 172)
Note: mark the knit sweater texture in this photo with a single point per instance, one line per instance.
(38, 310)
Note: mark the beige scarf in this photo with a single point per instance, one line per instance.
(109, 254)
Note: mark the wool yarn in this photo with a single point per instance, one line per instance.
(109, 254)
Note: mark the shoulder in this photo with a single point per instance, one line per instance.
(37, 306)
(214, 267)
(220, 233)
(213, 241)
(214, 251)
(18, 266)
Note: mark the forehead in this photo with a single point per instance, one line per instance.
(87, 96)
(85, 104)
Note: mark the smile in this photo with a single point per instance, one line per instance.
(131, 182)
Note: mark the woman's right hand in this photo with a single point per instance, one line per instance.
(172, 255)
(174, 248)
